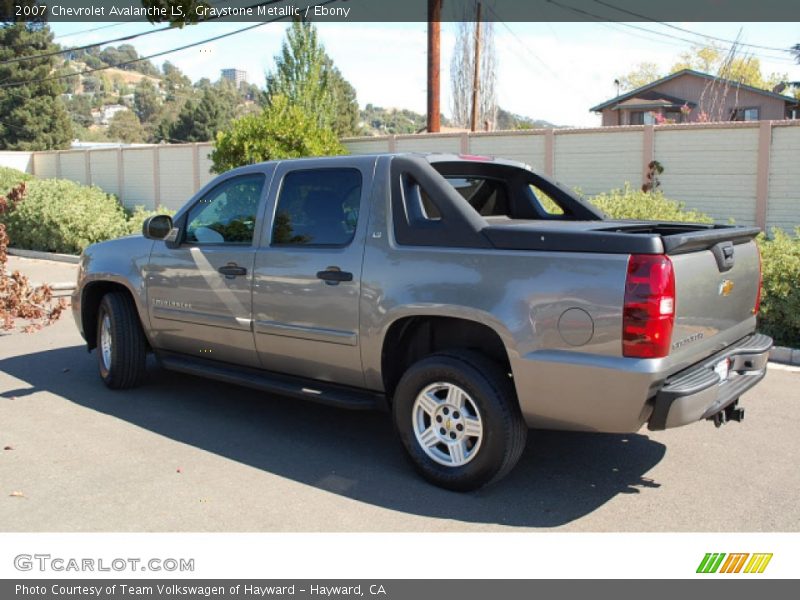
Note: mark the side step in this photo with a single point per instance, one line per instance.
(321, 392)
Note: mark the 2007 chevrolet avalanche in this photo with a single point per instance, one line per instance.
(472, 297)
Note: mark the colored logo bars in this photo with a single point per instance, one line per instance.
(713, 563)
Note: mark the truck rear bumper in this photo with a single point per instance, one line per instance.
(700, 392)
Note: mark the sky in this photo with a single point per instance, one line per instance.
(552, 71)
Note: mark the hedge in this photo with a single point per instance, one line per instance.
(58, 215)
(629, 203)
(137, 216)
(9, 178)
(780, 300)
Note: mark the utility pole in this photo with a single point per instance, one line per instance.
(434, 36)
(476, 80)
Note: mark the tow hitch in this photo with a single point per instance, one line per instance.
(732, 412)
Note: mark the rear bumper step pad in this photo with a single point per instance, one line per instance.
(698, 393)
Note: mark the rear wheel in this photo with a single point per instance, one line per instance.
(121, 344)
(459, 421)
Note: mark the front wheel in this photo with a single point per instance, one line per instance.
(459, 421)
(121, 345)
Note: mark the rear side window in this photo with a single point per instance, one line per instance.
(488, 197)
(317, 207)
(545, 202)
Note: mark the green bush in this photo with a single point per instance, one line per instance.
(629, 203)
(10, 178)
(137, 216)
(780, 299)
(57, 215)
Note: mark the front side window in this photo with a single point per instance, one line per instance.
(227, 214)
(317, 207)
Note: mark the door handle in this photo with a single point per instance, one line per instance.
(232, 270)
(333, 275)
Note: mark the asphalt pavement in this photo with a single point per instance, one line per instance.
(186, 454)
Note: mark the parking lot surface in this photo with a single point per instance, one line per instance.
(187, 454)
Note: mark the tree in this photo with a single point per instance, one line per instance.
(178, 89)
(97, 134)
(711, 59)
(705, 59)
(281, 130)
(305, 75)
(32, 115)
(125, 53)
(79, 108)
(146, 101)
(200, 120)
(642, 74)
(71, 84)
(125, 127)
(347, 114)
(176, 84)
(742, 69)
(462, 74)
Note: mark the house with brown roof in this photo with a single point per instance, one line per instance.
(691, 96)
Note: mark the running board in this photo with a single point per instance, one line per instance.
(321, 392)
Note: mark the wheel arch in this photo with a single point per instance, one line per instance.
(91, 296)
(412, 337)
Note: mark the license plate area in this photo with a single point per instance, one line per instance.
(722, 368)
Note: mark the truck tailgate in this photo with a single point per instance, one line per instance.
(715, 298)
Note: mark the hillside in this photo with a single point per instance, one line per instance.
(508, 121)
(376, 120)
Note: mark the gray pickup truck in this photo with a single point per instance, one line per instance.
(471, 297)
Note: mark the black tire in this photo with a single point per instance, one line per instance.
(128, 343)
(491, 392)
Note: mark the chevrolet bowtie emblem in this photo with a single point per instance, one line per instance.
(725, 288)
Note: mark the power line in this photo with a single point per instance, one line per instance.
(107, 26)
(527, 49)
(123, 38)
(710, 37)
(650, 31)
(163, 53)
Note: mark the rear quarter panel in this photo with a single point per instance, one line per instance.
(522, 296)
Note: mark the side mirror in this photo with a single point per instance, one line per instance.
(157, 227)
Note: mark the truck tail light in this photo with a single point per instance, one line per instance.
(757, 305)
(648, 313)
